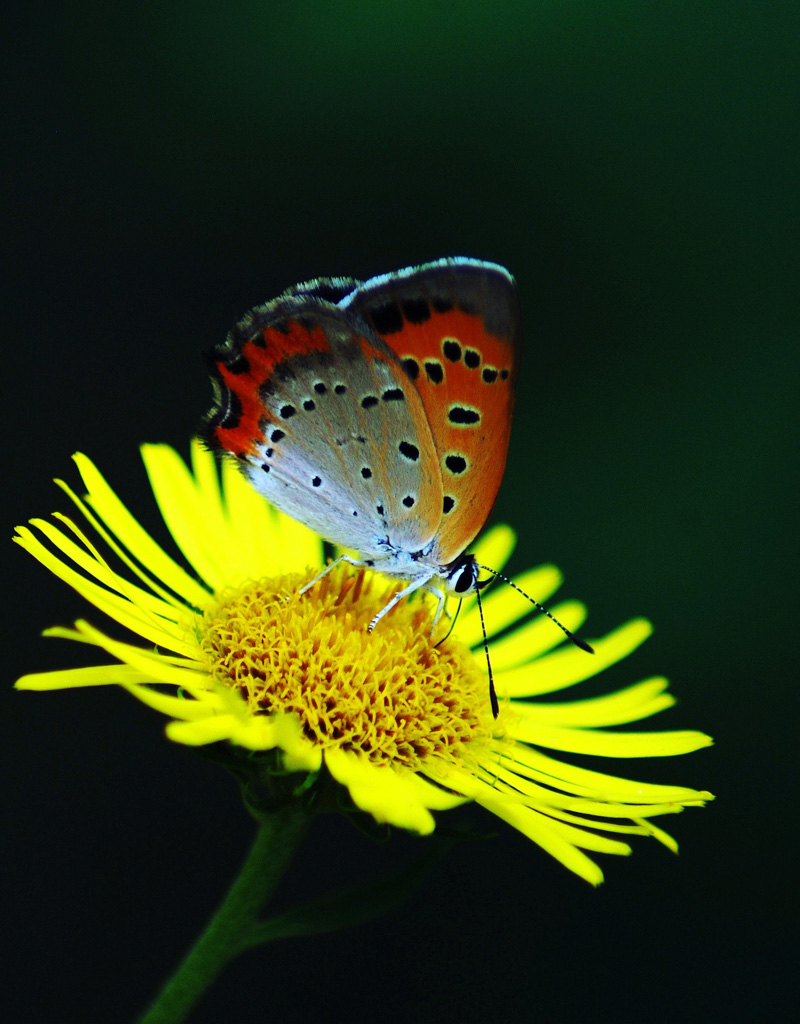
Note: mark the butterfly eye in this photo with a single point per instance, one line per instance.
(463, 574)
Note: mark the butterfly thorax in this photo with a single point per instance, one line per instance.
(458, 576)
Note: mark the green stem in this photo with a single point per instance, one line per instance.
(232, 928)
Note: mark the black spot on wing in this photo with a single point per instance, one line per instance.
(455, 463)
(472, 359)
(411, 366)
(462, 416)
(451, 349)
(281, 326)
(368, 401)
(434, 371)
(416, 310)
(393, 395)
(387, 319)
(408, 451)
(237, 364)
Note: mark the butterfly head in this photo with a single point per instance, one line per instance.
(461, 575)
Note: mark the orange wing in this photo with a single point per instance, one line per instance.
(455, 326)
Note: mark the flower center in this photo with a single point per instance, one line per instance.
(390, 695)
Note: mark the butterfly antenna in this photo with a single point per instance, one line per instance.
(570, 636)
(492, 693)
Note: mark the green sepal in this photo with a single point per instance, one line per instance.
(265, 784)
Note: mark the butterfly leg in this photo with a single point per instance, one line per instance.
(421, 582)
(441, 605)
(342, 558)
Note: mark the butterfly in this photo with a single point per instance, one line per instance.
(378, 413)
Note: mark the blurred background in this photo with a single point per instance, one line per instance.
(635, 165)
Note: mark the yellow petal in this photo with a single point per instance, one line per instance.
(284, 544)
(160, 670)
(95, 566)
(432, 796)
(152, 584)
(532, 639)
(639, 826)
(570, 665)
(96, 675)
(156, 628)
(608, 744)
(552, 802)
(136, 539)
(659, 834)
(176, 707)
(524, 760)
(380, 791)
(197, 734)
(629, 705)
(299, 753)
(531, 824)
(194, 527)
(206, 474)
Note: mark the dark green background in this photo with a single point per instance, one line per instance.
(636, 166)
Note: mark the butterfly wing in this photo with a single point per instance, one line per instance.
(455, 327)
(326, 423)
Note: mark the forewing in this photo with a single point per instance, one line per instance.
(455, 327)
(327, 425)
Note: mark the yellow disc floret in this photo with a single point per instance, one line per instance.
(391, 695)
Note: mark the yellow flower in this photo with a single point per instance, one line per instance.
(233, 653)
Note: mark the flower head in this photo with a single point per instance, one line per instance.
(234, 653)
